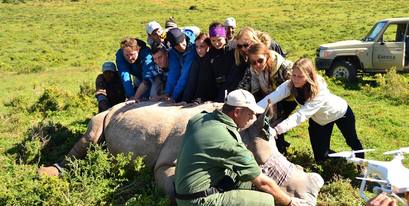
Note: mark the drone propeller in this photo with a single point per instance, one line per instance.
(399, 151)
(372, 180)
(349, 154)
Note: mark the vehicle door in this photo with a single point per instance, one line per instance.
(389, 50)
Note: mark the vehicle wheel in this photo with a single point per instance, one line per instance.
(343, 70)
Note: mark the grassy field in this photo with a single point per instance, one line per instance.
(51, 52)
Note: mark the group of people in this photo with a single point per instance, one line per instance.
(182, 64)
(186, 65)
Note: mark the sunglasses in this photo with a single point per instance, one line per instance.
(239, 46)
(258, 61)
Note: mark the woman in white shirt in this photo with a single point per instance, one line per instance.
(319, 105)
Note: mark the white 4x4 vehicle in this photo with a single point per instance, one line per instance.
(385, 46)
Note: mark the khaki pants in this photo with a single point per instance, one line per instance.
(233, 198)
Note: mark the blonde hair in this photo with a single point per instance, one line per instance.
(251, 33)
(129, 42)
(307, 68)
(271, 61)
(264, 38)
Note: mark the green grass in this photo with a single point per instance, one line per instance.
(49, 50)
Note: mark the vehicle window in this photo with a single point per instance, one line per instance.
(375, 31)
(394, 33)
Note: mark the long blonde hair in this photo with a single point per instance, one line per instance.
(252, 34)
(307, 68)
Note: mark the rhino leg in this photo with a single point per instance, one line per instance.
(304, 186)
(164, 179)
(91, 136)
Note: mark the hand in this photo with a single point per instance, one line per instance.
(103, 105)
(273, 132)
(297, 202)
(137, 100)
(163, 98)
(381, 200)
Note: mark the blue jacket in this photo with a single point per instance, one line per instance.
(179, 67)
(142, 69)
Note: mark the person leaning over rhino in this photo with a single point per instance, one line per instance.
(109, 90)
(214, 166)
(136, 68)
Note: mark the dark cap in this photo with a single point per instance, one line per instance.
(175, 36)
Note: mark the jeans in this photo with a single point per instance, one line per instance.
(320, 135)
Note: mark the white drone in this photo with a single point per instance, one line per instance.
(392, 176)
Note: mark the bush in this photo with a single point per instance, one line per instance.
(51, 100)
(99, 179)
(391, 86)
(339, 192)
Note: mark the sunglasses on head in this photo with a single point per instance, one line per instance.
(239, 46)
(259, 61)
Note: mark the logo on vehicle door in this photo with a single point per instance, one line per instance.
(386, 57)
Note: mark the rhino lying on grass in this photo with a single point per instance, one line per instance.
(155, 131)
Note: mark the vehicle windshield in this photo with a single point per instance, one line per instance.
(374, 31)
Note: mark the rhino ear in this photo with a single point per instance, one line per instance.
(269, 112)
(263, 121)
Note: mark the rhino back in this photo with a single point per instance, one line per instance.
(143, 128)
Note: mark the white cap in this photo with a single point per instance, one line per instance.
(108, 66)
(230, 21)
(151, 26)
(243, 98)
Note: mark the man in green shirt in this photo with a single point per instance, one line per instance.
(215, 168)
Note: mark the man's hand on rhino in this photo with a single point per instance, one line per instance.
(381, 200)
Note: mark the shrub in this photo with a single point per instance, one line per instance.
(51, 100)
(99, 179)
(391, 86)
(339, 192)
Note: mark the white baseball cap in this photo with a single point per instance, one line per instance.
(230, 21)
(108, 66)
(151, 26)
(243, 98)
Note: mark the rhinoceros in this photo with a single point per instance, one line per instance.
(155, 131)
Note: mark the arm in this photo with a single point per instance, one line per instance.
(173, 72)
(101, 94)
(143, 87)
(267, 185)
(279, 94)
(305, 112)
(124, 74)
(149, 73)
(191, 84)
(181, 83)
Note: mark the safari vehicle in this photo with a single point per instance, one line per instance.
(385, 47)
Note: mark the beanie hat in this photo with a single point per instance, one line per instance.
(175, 36)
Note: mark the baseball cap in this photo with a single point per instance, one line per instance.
(151, 26)
(175, 36)
(243, 98)
(170, 23)
(230, 21)
(108, 66)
